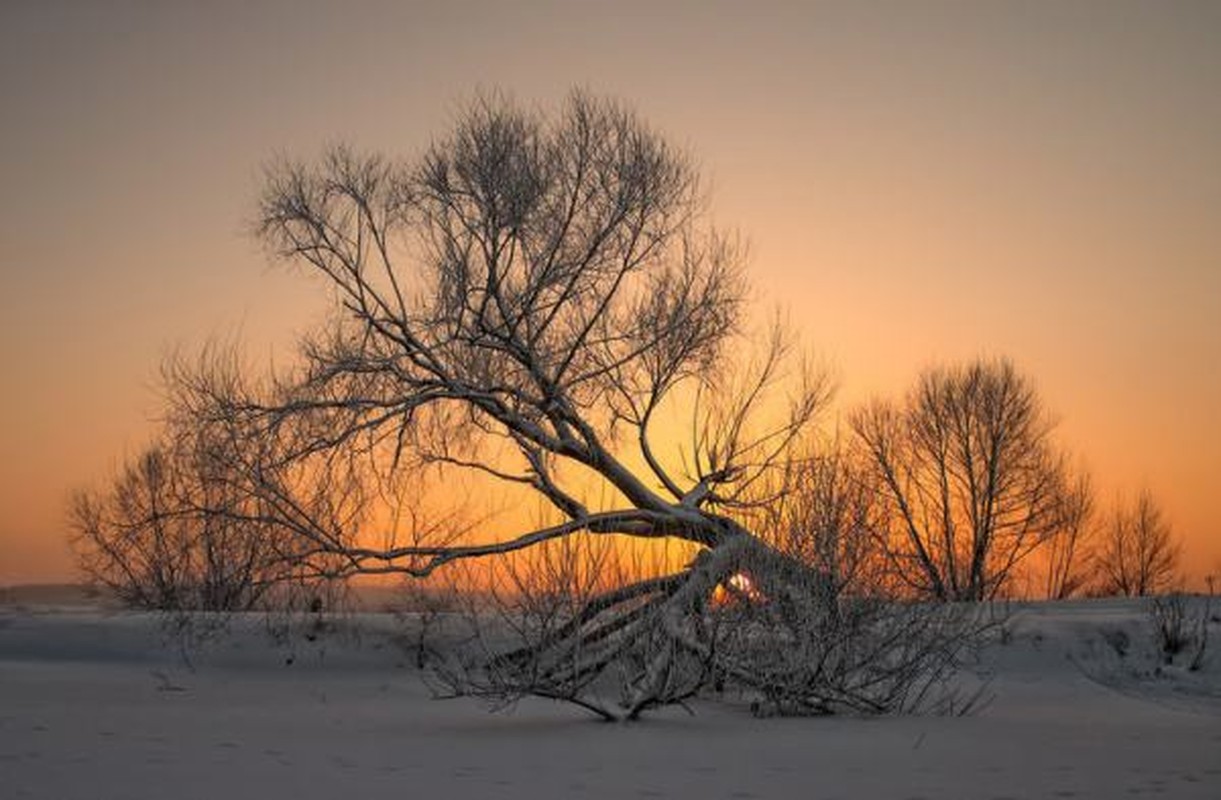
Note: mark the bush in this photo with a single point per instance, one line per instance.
(1178, 628)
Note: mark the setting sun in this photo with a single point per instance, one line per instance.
(739, 588)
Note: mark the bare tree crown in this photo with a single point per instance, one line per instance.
(1140, 554)
(521, 302)
(970, 477)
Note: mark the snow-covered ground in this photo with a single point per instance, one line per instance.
(99, 704)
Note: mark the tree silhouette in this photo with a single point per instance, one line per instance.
(1069, 551)
(174, 531)
(1139, 554)
(524, 305)
(971, 481)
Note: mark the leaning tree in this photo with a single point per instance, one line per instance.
(529, 303)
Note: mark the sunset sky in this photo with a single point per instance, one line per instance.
(920, 182)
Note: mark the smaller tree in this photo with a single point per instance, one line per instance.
(971, 482)
(141, 539)
(1140, 554)
(1068, 556)
(175, 531)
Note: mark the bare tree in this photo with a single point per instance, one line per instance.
(525, 305)
(1139, 554)
(971, 482)
(125, 542)
(1067, 551)
(169, 533)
